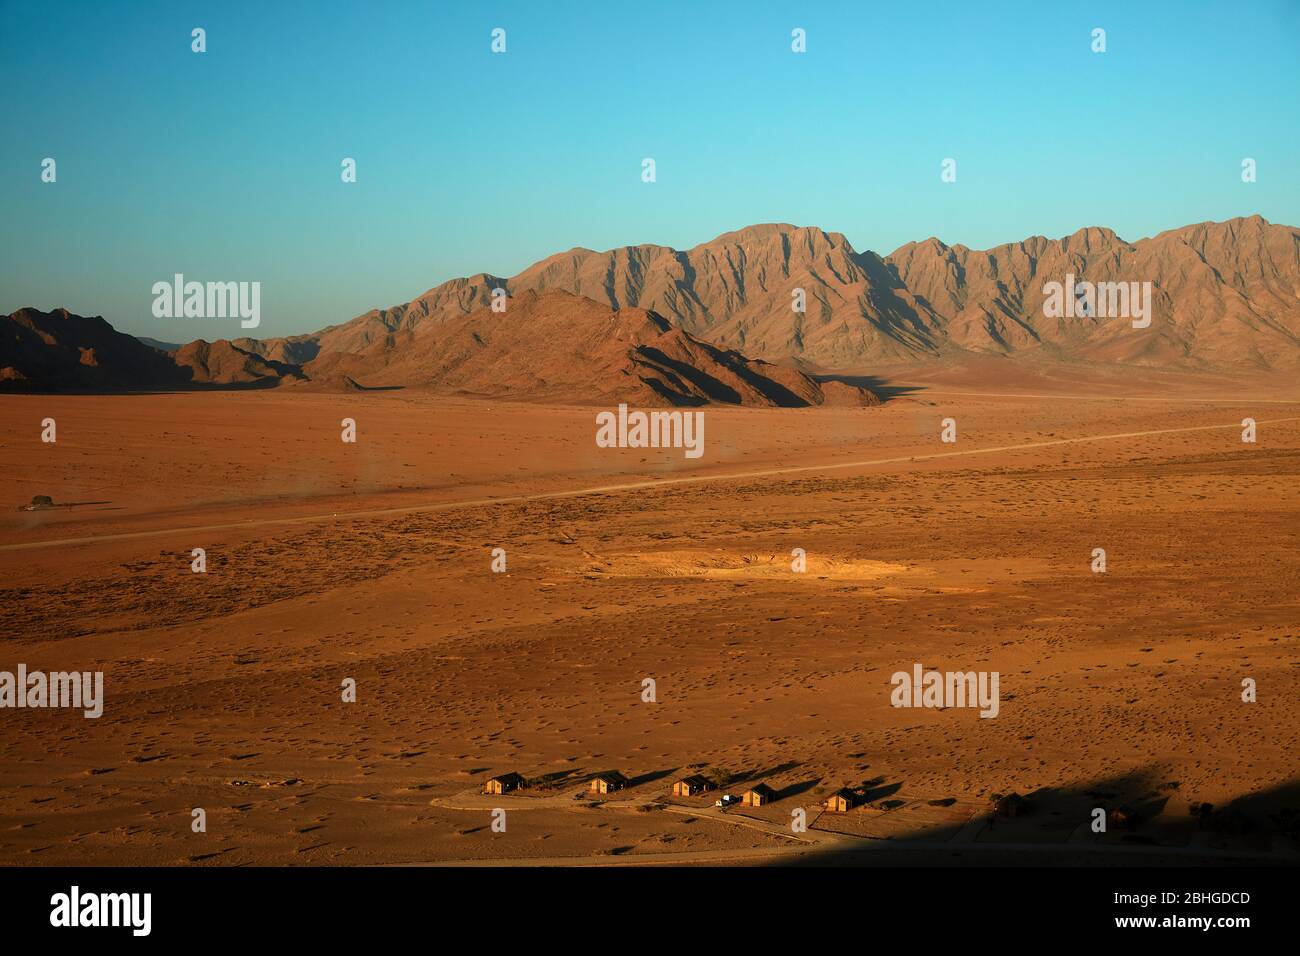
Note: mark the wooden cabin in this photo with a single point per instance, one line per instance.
(759, 795)
(504, 783)
(608, 782)
(841, 801)
(1125, 817)
(1011, 805)
(690, 786)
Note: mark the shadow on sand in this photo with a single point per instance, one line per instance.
(884, 389)
(1149, 821)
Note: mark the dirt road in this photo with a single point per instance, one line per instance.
(609, 489)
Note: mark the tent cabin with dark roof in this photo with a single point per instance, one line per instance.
(608, 782)
(504, 783)
(759, 795)
(690, 786)
(841, 801)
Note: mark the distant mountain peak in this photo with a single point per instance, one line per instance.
(741, 289)
(758, 301)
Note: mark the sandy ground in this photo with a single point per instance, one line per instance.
(372, 561)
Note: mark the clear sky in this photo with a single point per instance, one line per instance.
(226, 165)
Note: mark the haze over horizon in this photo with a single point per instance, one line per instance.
(225, 165)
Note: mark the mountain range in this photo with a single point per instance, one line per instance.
(717, 322)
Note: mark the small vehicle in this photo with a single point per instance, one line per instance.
(727, 800)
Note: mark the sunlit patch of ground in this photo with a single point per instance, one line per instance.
(719, 563)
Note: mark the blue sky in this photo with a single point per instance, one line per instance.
(225, 165)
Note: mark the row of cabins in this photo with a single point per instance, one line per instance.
(611, 781)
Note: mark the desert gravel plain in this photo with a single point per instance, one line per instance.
(372, 561)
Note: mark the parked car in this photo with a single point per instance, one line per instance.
(727, 800)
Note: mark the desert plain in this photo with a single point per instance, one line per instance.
(372, 561)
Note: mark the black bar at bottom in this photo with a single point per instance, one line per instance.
(719, 907)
